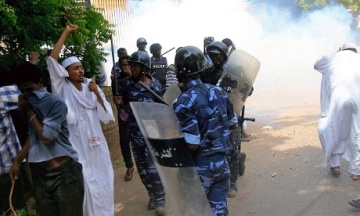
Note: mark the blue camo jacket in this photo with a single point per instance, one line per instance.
(205, 115)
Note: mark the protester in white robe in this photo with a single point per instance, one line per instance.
(339, 123)
(87, 106)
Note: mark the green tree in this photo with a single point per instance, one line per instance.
(30, 25)
(353, 5)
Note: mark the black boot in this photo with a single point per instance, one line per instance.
(242, 163)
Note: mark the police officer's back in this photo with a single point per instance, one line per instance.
(206, 116)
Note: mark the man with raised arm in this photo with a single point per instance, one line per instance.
(87, 106)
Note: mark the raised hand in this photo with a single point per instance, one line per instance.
(71, 28)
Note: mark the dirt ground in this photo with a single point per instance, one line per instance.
(285, 172)
(284, 175)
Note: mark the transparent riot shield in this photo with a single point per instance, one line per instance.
(158, 124)
(239, 76)
(172, 93)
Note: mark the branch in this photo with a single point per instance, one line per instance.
(10, 198)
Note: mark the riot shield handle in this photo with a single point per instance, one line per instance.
(243, 119)
(249, 119)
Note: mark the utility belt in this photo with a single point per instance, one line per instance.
(203, 161)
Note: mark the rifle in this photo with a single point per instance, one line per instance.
(243, 119)
(167, 51)
(153, 73)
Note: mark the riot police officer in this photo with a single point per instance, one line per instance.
(229, 44)
(158, 64)
(244, 134)
(141, 44)
(218, 53)
(131, 91)
(205, 115)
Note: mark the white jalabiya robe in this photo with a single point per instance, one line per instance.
(339, 123)
(84, 116)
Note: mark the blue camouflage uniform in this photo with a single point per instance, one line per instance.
(158, 69)
(205, 114)
(132, 91)
(212, 75)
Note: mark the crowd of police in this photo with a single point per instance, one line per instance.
(206, 115)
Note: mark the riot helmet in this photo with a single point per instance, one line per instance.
(154, 47)
(140, 57)
(228, 42)
(217, 47)
(208, 40)
(189, 61)
(141, 40)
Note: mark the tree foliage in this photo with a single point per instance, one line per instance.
(308, 5)
(352, 5)
(31, 25)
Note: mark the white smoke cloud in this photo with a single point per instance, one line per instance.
(286, 47)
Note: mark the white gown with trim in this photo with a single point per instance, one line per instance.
(84, 116)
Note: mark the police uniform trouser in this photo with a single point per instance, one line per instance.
(215, 176)
(145, 165)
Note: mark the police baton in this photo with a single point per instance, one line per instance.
(115, 75)
(113, 59)
(168, 51)
(157, 97)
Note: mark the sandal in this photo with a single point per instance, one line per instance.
(355, 203)
(129, 174)
(335, 171)
(355, 177)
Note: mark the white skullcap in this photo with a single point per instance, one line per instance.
(68, 61)
(348, 46)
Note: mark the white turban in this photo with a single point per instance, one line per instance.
(68, 61)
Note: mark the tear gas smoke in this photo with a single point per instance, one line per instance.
(286, 45)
